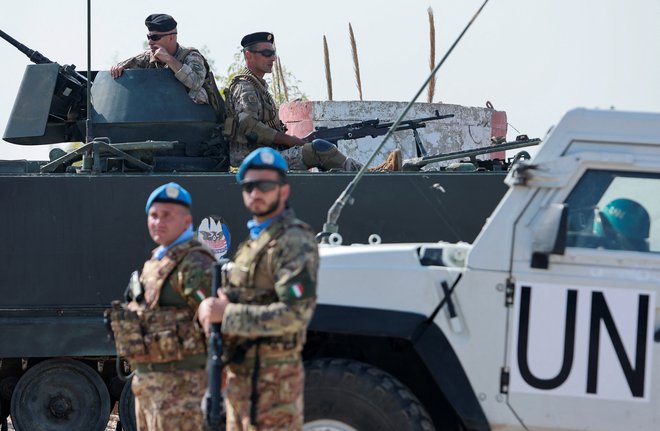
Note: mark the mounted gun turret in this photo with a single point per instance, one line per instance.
(144, 121)
(67, 86)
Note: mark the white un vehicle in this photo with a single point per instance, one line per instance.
(549, 321)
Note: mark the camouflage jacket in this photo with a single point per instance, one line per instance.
(272, 284)
(193, 73)
(184, 270)
(255, 111)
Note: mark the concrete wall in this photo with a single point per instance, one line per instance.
(470, 127)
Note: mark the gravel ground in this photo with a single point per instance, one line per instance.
(112, 423)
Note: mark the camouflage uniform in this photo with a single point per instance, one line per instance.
(272, 289)
(168, 395)
(258, 117)
(193, 74)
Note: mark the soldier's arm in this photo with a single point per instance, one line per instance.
(139, 61)
(247, 105)
(295, 264)
(195, 273)
(191, 73)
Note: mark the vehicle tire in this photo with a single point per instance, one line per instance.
(60, 395)
(346, 395)
(127, 408)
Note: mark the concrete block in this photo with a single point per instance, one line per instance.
(471, 127)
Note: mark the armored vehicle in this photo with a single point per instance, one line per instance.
(73, 228)
(547, 321)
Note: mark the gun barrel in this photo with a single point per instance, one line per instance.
(34, 56)
(417, 122)
(213, 401)
(417, 163)
(213, 408)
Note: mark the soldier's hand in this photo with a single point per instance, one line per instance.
(212, 310)
(116, 71)
(288, 140)
(160, 54)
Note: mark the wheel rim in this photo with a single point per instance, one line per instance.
(127, 408)
(59, 395)
(327, 425)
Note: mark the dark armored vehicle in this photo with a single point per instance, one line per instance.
(73, 227)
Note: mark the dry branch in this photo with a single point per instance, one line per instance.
(328, 76)
(431, 87)
(281, 77)
(356, 63)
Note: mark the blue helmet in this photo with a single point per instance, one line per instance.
(170, 193)
(629, 221)
(262, 158)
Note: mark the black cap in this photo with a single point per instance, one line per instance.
(262, 36)
(160, 22)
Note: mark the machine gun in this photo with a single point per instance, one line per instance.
(417, 163)
(213, 403)
(69, 98)
(374, 128)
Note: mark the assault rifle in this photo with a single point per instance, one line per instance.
(374, 128)
(69, 96)
(213, 402)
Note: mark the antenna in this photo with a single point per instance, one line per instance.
(88, 121)
(331, 226)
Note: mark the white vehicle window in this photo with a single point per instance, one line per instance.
(615, 211)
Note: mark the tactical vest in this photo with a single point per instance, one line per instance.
(212, 91)
(270, 112)
(242, 284)
(244, 287)
(159, 334)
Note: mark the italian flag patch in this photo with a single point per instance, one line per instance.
(199, 295)
(296, 290)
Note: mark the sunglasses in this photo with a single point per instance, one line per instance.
(156, 37)
(265, 52)
(264, 186)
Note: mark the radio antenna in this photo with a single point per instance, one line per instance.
(88, 121)
(331, 226)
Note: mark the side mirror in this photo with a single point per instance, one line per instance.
(550, 235)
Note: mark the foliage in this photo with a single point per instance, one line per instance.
(292, 83)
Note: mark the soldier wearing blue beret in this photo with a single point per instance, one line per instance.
(267, 303)
(170, 377)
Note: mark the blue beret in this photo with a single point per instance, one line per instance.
(160, 22)
(262, 36)
(169, 193)
(262, 158)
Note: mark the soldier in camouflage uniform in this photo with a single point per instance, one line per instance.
(266, 304)
(188, 65)
(178, 276)
(258, 124)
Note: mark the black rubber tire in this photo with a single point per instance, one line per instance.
(127, 408)
(60, 395)
(355, 395)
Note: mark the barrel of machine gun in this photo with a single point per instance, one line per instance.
(417, 163)
(371, 128)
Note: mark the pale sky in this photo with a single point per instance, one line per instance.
(534, 59)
